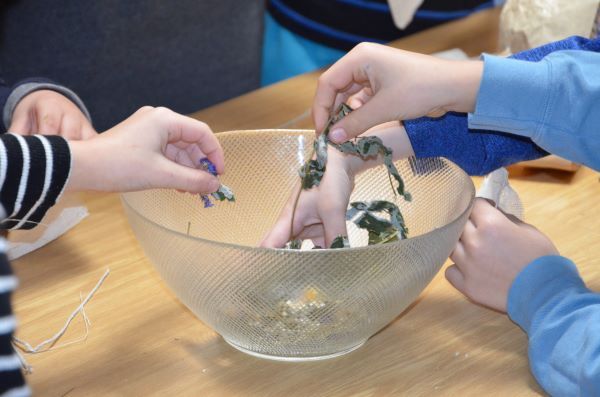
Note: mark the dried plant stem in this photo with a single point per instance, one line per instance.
(312, 153)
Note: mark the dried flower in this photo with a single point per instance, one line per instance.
(223, 193)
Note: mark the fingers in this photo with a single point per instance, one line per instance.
(179, 156)
(345, 76)
(172, 175)
(48, 120)
(469, 232)
(349, 92)
(70, 128)
(360, 98)
(483, 212)
(195, 154)
(21, 123)
(186, 129)
(279, 235)
(372, 113)
(87, 131)
(455, 277)
(459, 253)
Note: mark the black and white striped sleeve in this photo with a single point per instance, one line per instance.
(11, 378)
(33, 173)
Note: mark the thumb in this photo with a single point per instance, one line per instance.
(187, 179)
(370, 114)
(456, 278)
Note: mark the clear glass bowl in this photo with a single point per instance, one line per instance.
(287, 304)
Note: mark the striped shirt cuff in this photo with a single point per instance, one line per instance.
(33, 172)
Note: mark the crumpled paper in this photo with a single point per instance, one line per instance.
(61, 218)
(495, 187)
(527, 24)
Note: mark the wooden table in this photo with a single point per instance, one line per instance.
(143, 341)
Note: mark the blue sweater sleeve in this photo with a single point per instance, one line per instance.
(555, 102)
(479, 151)
(561, 317)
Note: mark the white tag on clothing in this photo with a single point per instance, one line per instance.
(403, 11)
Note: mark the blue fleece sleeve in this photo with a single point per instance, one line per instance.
(479, 151)
(555, 102)
(561, 317)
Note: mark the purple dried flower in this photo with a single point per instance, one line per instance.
(208, 166)
(207, 202)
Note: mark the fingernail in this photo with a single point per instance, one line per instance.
(338, 135)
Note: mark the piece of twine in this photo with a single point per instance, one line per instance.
(50, 343)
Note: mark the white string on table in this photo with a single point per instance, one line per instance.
(49, 344)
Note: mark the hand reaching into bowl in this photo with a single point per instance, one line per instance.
(321, 211)
(153, 148)
(392, 85)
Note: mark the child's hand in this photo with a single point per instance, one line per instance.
(50, 113)
(321, 211)
(491, 252)
(154, 148)
(393, 85)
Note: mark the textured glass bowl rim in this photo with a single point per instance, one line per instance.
(298, 132)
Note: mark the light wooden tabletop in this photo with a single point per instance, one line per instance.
(143, 341)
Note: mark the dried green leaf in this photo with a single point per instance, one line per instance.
(380, 230)
(342, 112)
(362, 214)
(340, 242)
(224, 193)
(311, 174)
(384, 237)
(294, 244)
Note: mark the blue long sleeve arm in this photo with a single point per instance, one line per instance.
(548, 300)
(555, 102)
(561, 317)
(480, 151)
